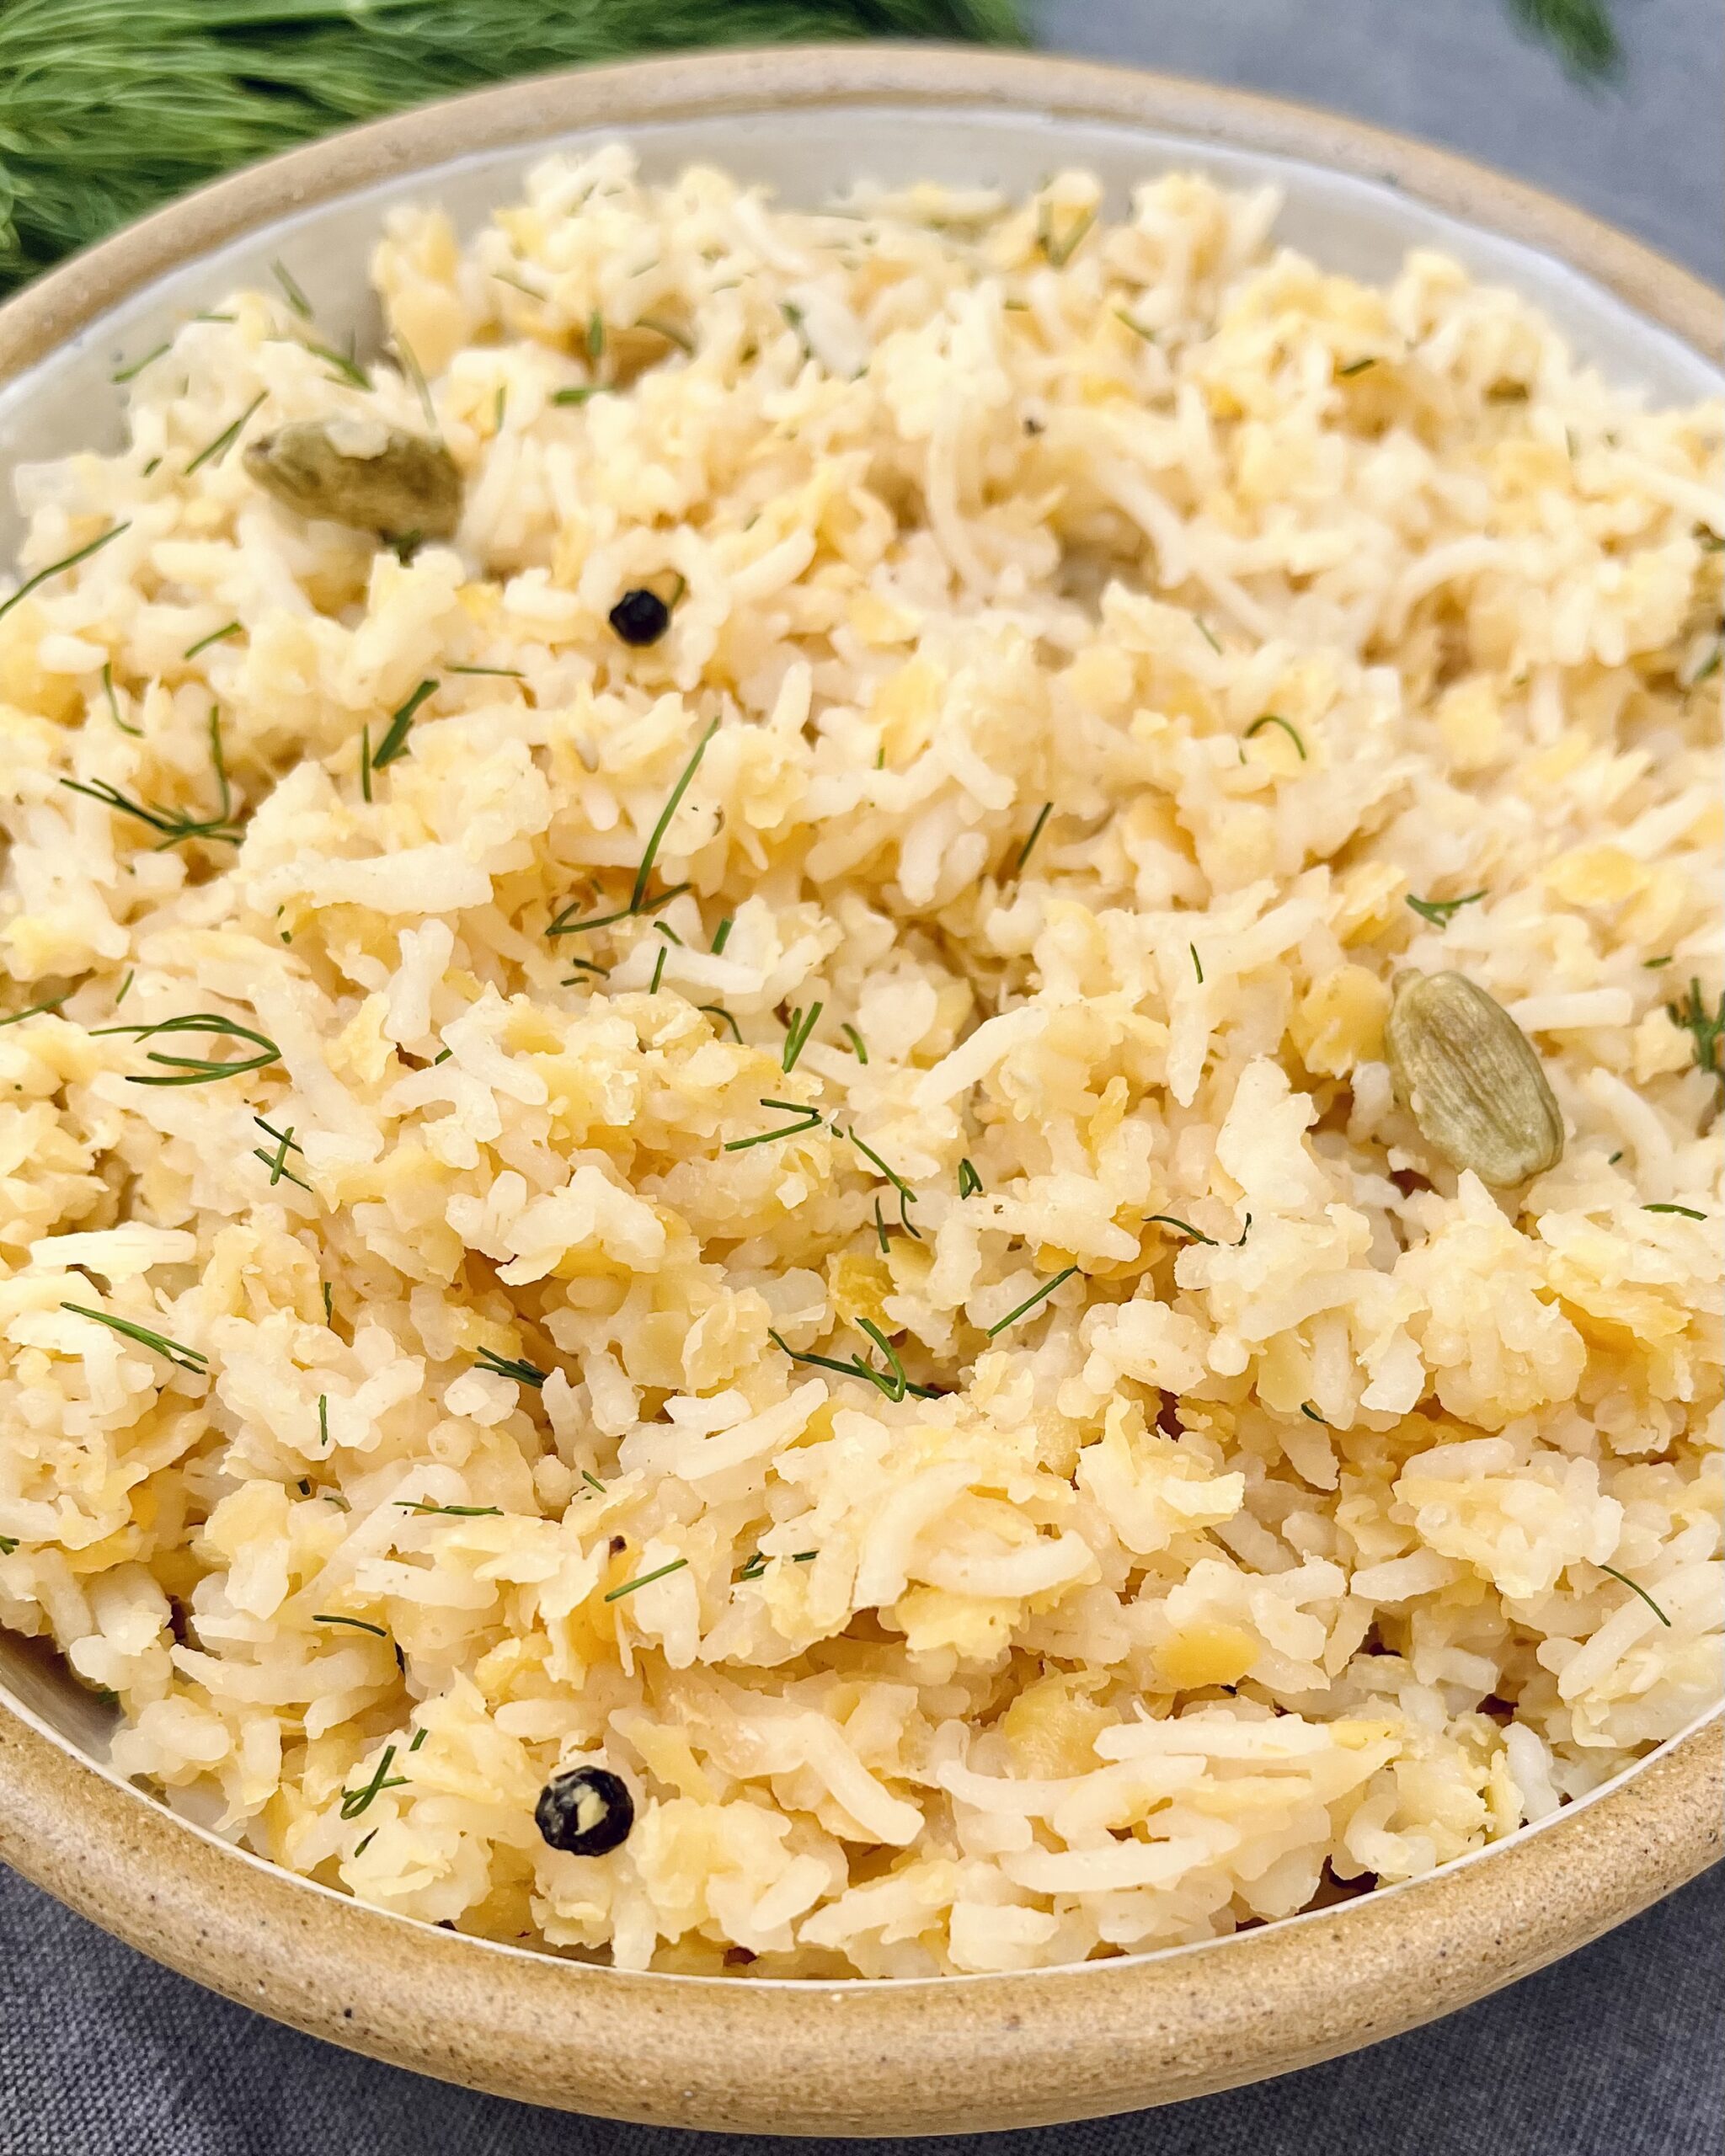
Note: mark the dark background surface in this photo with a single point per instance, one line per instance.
(1618, 2051)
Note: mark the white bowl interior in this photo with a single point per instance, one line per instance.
(67, 400)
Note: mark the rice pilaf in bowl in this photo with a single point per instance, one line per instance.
(862, 1078)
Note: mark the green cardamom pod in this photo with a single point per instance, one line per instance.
(1471, 1078)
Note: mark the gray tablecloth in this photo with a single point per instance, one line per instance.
(1619, 2050)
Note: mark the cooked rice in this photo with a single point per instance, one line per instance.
(1264, 1557)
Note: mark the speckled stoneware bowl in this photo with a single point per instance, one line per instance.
(834, 2058)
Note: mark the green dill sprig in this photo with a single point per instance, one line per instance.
(353, 1801)
(1688, 1212)
(1440, 912)
(1581, 30)
(175, 824)
(346, 366)
(580, 394)
(416, 374)
(669, 331)
(891, 1381)
(212, 453)
(199, 1070)
(719, 1010)
(1030, 1302)
(1706, 1029)
(134, 368)
(357, 1624)
(35, 1009)
(907, 1197)
(449, 1511)
(215, 636)
(395, 740)
(565, 924)
(58, 568)
(188, 1359)
(504, 1366)
(797, 1032)
(1024, 850)
(324, 1418)
(1275, 718)
(722, 934)
(501, 673)
(595, 339)
(9, 1545)
(969, 1183)
(292, 291)
(859, 1047)
(880, 1230)
(1058, 249)
(658, 969)
(1635, 1589)
(1311, 1414)
(276, 1162)
(1354, 367)
(135, 732)
(1197, 962)
(1197, 1236)
(645, 1579)
(811, 1121)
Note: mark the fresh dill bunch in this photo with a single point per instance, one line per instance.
(108, 108)
(1582, 30)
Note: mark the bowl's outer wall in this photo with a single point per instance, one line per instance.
(958, 2053)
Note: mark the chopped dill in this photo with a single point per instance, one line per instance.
(592, 1481)
(1641, 1591)
(1030, 1302)
(585, 966)
(215, 636)
(419, 1736)
(57, 568)
(1439, 912)
(1203, 630)
(669, 330)
(669, 933)
(214, 451)
(880, 1230)
(1311, 1414)
(1275, 718)
(1354, 367)
(797, 1034)
(644, 874)
(347, 367)
(324, 1418)
(188, 1359)
(1653, 965)
(416, 374)
(658, 969)
(1704, 1028)
(1197, 963)
(1058, 251)
(291, 291)
(1137, 328)
(328, 1303)
(859, 1047)
(136, 367)
(722, 934)
(502, 673)
(175, 824)
(1688, 1212)
(365, 1842)
(395, 740)
(125, 989)
(199, 1069)
(892, 1381)
(719, 1010)
(969, 1183)
(357, 1624)
(276, 1162)
(595, 336)
(135, 732)
(811, 1121)
(645, 1579)
(451, 1512)
(353, 1801)
(1046, 811)
(504, 1366)
(578, 395)
(365, 761)
(35, 1009)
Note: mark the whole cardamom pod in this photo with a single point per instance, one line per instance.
(1471, 1078)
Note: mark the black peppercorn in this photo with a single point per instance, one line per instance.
(640, 617)
(587, 1811)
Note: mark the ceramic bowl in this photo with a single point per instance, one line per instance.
(900, 2057)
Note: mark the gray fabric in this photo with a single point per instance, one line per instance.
(1619, 2049)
